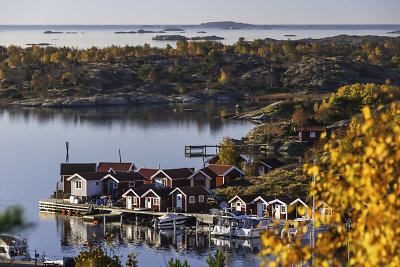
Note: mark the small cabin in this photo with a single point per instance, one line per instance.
(299, 209)
(68, 169)
(172, 178)
(264, 166)
(324, 209)
(189, 198)
(134, 198)
(215, 175)
(116, 184)
(312, 133)
(279, 207)
(157, 199)
(87, 184)
(261, 205)
(243, 203)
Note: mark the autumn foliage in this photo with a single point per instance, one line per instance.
(359, 178)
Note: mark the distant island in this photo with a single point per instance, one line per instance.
(52, 32)
(181, 37)
(227, 25)
(173, 29)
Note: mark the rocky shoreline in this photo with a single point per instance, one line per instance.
(122, 100)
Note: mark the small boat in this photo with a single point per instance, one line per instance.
(242, 226)
(13, 248)
(168, 221)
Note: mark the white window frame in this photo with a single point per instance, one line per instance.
(192, 199)
(283, 209)
(233, 204)
(134, 200)
(201, 198)
(131, 184)
(312, 135)
(164, 182)
(78, 185)
(156, 201)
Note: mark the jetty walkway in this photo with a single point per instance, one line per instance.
(58, 205)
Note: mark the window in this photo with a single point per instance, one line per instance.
(283, 209)
(312, 134)
(232, 205)
(135, 200)
(201, 198)
(97, 183)
(131, 184)
(265, 206)
(115, 185)
(78, 184)
(164, 182)
(192, 199)
(238, 204)
(156, 201)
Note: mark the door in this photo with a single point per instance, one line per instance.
(277, 211)
(129, 203)
(238, 206)
(179, 201)
(260, 209)
(148, 202)
(323, 213)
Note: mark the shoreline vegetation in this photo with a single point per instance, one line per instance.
(193, 72)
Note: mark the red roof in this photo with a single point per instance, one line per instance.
(219, 170)
(92, 176)
(116, 166)
(146, 172)
(311, 129)
(128, 177)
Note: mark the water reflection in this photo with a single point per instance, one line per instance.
(203, 116)
(74, 233)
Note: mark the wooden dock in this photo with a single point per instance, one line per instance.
(57, 205)
(208, 150)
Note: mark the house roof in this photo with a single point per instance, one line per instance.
(311, 129)
(126, 177)
(192, 190)
(264, 198)
(174, 173)
(214, 170)
(162, 193)
(215, 158)
(245, 198)
(282, 198)
(116, 166)
(202, 173)
(272, 162)
(300, 200)
(89, 176)
(72, 168)
(147, 172)
(135, 191)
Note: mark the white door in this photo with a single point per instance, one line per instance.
(148, 202)
(260, 209)
(277, 211)
(129, 203)
(179, 201)
(323, 213)
(238, 206)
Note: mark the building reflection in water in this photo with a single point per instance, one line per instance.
(75, 232)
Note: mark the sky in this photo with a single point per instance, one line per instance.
(44, 12)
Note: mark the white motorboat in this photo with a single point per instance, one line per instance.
(243, 226)
(169, 221)
(13, 248)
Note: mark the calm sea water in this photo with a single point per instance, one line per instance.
(32, 146)
(103, 36)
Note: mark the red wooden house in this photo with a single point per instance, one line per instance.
(157, 199)
(243, 203)
(147, 172)
(134, 198)
(172, 177)
(215, 175)
(116, 184)
(312, 133)
(189, 198)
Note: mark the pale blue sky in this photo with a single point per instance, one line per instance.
(195, 12)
